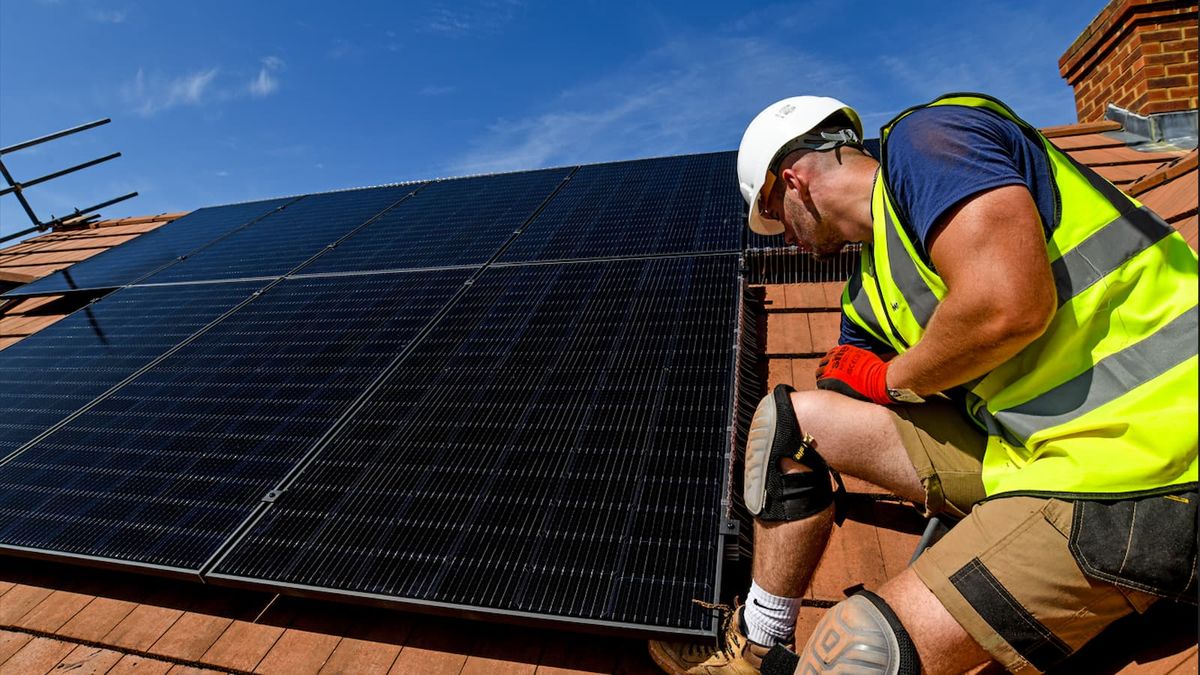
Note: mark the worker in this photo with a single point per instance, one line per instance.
(1018, 351)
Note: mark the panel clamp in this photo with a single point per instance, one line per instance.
(271, 496)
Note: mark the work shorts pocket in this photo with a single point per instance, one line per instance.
(1146, 544)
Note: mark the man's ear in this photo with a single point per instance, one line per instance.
(791, 178)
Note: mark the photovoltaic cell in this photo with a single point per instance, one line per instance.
(278, 243)
(58, 370)
(554, 446)
(132, 260)
(163, 470)
(454, 222)
(686, 204)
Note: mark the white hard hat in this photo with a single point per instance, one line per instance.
(775, 129)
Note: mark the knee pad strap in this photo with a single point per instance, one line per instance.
(770, 493)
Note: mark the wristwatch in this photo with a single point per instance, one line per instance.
(904, 395)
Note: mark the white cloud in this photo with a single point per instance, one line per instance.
(480, 16)
(108, 15)
(436, 90)
(149, 95)
(689, 95)
(266, 83)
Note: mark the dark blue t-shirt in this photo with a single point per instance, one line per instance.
(938, 157)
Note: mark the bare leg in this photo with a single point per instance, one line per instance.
(855, 437)
(943, 645)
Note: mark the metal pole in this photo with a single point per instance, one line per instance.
(80, 212)
(57, 134)
(17, 187)
(12, 184)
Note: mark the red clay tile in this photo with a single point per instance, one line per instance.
(833, 293)
(775, 296)
(804, 374)
(360, 656)
(806, 296)
(1174, 198)
(5, 586)
(779, 371)
(142, 627)
(192, 670)
(433, 648)
(242, 646)
(806, 622)
(97, 619)
(1072, 143)
(505, 651)
(19, 600)
(39, 655)
(131, 664)
(57, 609)
(852, 557)
(85, 660)
(189, 637)
(298, 652)
(583, 655)
(788, 333)
(1188, 228)
(11, 642)
(637, 662)
(825, 327)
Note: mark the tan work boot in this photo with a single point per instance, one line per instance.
(735, 655)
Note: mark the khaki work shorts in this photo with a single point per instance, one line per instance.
(1004, 572)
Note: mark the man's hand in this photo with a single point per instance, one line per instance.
(855, 372)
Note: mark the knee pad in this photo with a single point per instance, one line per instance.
(774, 434)
(860, 634)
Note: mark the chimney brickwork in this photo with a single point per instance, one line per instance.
(1139, 55)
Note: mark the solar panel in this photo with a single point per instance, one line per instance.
(58, 370)
(555, 447)
(138, 257)
(283, 240)
(162, 471)
(671, 205)
(454, 222)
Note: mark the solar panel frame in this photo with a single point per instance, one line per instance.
(152, 251)
(221, 571)
(70, 494)
(680, 205)
(287, 239)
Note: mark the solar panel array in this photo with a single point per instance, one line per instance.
(505, 394)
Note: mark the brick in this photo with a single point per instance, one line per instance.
(85, 660)
(1162, 35)
(11, 642)
(131, 664)
(39, 655)
(51, 613)
(360, 656)
(298, 652)
(189, 637)
(242, 646)
(20, 600)
(97, 619)
(1177, 45)
(142, 627)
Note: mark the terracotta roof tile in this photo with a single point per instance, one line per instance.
(298, 652)
(19, 600)
(1086, 141)
(39, 655)
(97, 619)
(86, 660)
(242, 646)
(11, 643)
(53, 612)
(190, 636)
(352, 657)
(1085, 128)
(1174, 199)
(142, 627)
(432, 651)
(131, 664)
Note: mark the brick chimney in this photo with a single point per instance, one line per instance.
(1139, 55)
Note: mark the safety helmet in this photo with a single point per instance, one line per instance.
(782, 127)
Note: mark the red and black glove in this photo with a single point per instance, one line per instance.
(855, 372)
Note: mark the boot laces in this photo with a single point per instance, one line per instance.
(728, 616)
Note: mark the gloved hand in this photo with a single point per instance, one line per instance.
(855, 372)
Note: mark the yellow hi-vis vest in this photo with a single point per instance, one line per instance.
(1104, 403)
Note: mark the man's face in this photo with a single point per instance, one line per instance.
(802, 222)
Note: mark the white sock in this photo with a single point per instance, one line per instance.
(770, 619)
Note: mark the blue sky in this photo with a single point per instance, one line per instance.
(216, 102)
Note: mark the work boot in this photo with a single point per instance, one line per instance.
(735, 654)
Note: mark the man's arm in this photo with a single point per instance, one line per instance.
(991, 252)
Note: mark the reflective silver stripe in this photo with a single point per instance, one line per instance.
(1105, 251)
(1108, 380)
(862, 305)
(921, 300)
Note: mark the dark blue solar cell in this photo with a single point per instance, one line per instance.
(138, 257)
(555, 445)
(687, 204)
(283, 240)
(454, 222)
(56, 371)
(163, 470)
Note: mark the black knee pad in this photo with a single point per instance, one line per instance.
(774, 434)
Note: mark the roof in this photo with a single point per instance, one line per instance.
(38, 256)
(55, 617)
